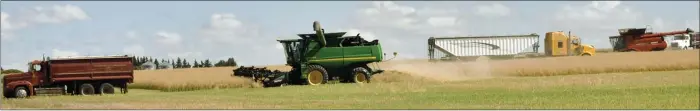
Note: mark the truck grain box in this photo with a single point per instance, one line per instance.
(77, 76)
(556, 44)
(470, 47)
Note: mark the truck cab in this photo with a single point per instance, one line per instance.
(559, 44)
(680, 41)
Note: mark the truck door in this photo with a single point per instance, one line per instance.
(37, 76)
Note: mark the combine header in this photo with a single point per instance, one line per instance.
(320, 57)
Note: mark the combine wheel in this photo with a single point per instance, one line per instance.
(106, 88)
(360, 75)
(316, 75)
(586, 54)
(87, 89)
(21, 92)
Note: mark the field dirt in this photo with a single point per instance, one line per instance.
(482, 68)
(605, 62)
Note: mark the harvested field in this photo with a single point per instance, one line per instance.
(640, 90)
(549, 66)
(482, 68)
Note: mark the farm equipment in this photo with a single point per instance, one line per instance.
(317, 58)
(79, 76)
(636, 39)
(471, 47)
(506, 47)
(566, 45)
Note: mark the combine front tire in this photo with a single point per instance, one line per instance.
(360, 75)
(316, 75)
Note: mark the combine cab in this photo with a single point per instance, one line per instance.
(317, 58)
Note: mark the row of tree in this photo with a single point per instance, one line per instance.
(183, 63)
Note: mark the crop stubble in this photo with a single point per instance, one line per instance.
(422, 70)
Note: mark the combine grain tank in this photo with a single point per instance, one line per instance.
(78, 75)
(495, 47)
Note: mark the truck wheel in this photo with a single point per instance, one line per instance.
(360, 75)
(21, 92)
(87, 89)
(316, 75)
(106, 88)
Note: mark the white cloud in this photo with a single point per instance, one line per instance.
(494, 9)
(227, 29)
(605, 5)
(658, 24)
(185, 55)
(168, 38)
(58, 14)
(391, 16)
(442, 21)
(38, 15)
(134, 50)
(3, 21)
(609, 15)
(131, 35)
(63, 53)
(4, 26)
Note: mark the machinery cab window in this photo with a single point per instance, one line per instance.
(560, 44)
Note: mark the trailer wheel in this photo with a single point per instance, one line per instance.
(360, 75)
(21, 92)
(106, 88)
(87, 89)
(316, 75)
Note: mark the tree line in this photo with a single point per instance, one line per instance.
(181, 63)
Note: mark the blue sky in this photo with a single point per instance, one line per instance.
(247, 30)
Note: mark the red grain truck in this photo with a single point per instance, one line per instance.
(77, 76)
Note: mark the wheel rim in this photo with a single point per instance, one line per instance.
(21, 93)
(315, 77)
(360, 77)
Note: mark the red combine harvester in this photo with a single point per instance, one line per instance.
(637, 39)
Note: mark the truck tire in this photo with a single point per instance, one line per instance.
(360, 75)
(316, 75)
(106, 88)
(21, 92)
(86, 89)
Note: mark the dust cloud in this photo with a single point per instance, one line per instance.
(445, 71)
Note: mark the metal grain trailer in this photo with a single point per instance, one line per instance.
(495, 47)
(78, 75)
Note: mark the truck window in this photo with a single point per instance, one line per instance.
(560, 44)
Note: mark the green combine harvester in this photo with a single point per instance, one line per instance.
(318, 58)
